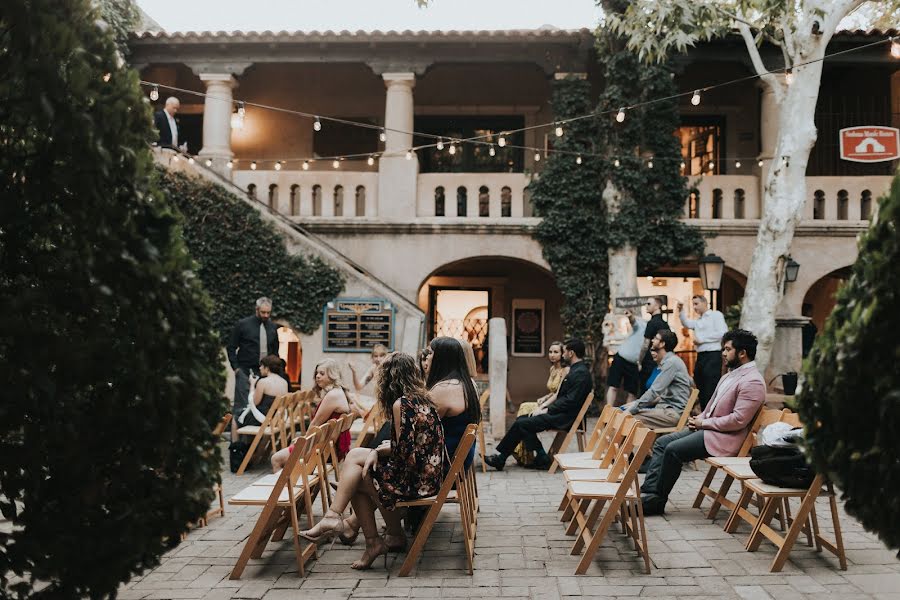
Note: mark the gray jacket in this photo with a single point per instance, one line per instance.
(671, 387)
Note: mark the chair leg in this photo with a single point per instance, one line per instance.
(247, 457)
(698, 501)
(765, 516)
(717, 502)
(645, 543)
(412, 557)
(808, 504)
(482, 447)
(835, 520)
(590, 521)
(735, 516)
(596, 539)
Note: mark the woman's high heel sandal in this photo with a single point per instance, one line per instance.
(345, 538)
(360, 565)
(325, 532)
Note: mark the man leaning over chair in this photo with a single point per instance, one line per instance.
(664, 401)
(559, 414)
(718, 431)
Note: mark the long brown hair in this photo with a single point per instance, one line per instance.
(448, 363)
(399, 375)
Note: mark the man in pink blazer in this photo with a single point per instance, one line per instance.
(719, 430)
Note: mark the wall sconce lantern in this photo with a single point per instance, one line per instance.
(791, 269)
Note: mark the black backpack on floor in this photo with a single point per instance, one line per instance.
(237, 451)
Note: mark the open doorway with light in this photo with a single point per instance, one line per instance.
(462, 314)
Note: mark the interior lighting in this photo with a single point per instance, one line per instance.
(191, 160)
(241, 109)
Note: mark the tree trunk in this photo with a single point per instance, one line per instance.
(622, 273)
(784, 198)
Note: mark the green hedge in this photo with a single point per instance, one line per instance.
(110, 367)
(240, 257)
(850, 398)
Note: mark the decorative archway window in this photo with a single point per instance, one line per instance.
(251, 190)
(439, 201)
(843, 205)
(462, 201)
(317, 200)
(739, 199)
(339, 201)
(818, 205)
(273, 197)
(360, 201)
(717, 204)
(506, 201)
(865, 205)
(295, 200)
(484, 202)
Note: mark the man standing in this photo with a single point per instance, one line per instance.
(719, 430)
(623, 372)
(559, 414)
(251, 339)
(662, 404)
(165, 123)
(708, 328)
(654, 326)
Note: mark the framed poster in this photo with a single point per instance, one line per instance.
(528, 327)
(357, 324)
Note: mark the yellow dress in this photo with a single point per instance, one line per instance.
(523, 456)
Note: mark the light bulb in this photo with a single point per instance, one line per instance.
(650, 164)
(370, 161)
(537, 157)
(620, 116)
(278, 166)
(789, 77)
(335, 164)
(616, 163)
(502, 141)
(317, 125)
(440, 144)
(759, 163)
(695, 99)
(452, 149)
(491, 151)
(208, 162)
(409, 154)
(559, 131)
(737, 164)
(191, 160)
(107, 77)
(682, 165)
(578, 160)
(306, 165)
(154, 93)
(382, 135)
(175, 158)
(895, 49)
(253, 166)
(710, 166)
(241, 108)
(230, 164)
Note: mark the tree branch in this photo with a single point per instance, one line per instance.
(789, 48)
(733, 16)
(756, 59)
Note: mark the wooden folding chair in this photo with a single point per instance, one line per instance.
(685, 415)
(576, 431)
(764, 417)
(222, 425)
(270, 433)
(482, 446)
(298, 412)
(591, 444)
(775, 497)
(455, 477)
(589, 498)
(295, 485)
(611, 437)
(373, 422)
(217, 432)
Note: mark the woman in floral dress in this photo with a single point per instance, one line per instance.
(408, 467)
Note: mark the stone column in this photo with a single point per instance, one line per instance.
(787, 350)
(397, 176)
(499, 364)
(768, 134)
(217, 111)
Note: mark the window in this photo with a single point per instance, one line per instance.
(273, 197)
(439, 201)
(506, 202)
(843, 206)
(339, 201)
(295, 199)
(317, 200)
(462, 201)
(251, 190)
(717, 204)
(484, 202)
(360, 201)
(470, 158)
(702, 145)
(818, 205)
(739, 203)
(865, 205)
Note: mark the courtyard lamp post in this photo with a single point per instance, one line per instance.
(711, 269)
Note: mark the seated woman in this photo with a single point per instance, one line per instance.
(334, 404)
(265, 388)
(408, 467)
(558, 372)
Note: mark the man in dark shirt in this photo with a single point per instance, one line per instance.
(251, 339)
(559, 414)
(656, 324)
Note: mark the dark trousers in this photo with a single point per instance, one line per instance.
(241, 389)
(707, 373)
(670, 452)
(525, 429)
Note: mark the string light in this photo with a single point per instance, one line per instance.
(154, 93)
(502, 141)
(175, 158)
(616, 163)
(409, 154)
(253, 166)
(788, 76)
(230, 164)
(737, 164)
(537, 157)
(895, 49)
(491, 151)
(306, 165)
(278, 166)
(759, 164)
(578, 160)
(382, 135)
(695, 99)
(191, 160)
(317, 125)
(620, 116)
(559, 131)
(682, 165)
(650, 164)
(440, 144)
(370, 161)
(107, 77)
(241, 109)
(452, 149)
(208, 162)
(335, 164)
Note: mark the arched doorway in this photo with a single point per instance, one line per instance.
(460, 297)
(819, 300)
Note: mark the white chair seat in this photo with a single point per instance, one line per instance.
(721, 461)
(586, 474)
(597, 489)
(740, 471)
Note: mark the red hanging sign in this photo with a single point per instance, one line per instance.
(868, 144)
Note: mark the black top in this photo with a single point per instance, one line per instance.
(654, 326)
(162, 125)
(243, 345)
(572, 392)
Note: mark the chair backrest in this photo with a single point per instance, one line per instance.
(791, 418)
(608, 434)
(457, 463)
(766, 416)
(629, 423)
(605, 415)
(688, 409)
(307, 448)
(579, 420)
(222, 425)
(623, 456)
(641, 445)
(485, 396)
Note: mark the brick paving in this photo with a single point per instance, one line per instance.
(523, 552)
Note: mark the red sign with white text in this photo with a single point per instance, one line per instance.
(867, 144)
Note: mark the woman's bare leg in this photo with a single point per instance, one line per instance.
(351, 477)
(279, 459)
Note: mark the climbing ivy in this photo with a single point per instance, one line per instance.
(240, 258)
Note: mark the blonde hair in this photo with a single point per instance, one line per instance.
(380, 349)
(470, 357)
(334, 374)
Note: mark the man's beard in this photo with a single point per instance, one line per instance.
(733, 364)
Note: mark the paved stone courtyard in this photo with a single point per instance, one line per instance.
(523, 552)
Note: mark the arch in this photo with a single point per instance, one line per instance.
(251, 190)
(360, 201)
(295, 200)
(843, 205)
(818, 205)
(439, 201)
(317, 200)
(819, 299)
(865, 205)
(484, 201)
(339, 200)
(273, 196)
(717, 204)
(505, 201)
(462, 201)
(739, 210)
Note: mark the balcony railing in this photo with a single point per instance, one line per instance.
(472, 195)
